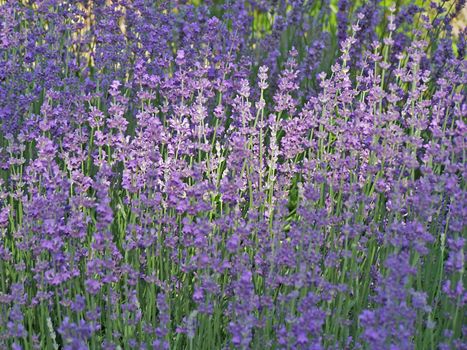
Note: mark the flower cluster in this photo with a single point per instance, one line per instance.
(232, 175)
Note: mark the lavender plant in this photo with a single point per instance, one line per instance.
(232, 175)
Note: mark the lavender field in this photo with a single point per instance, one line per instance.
(250, 174)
